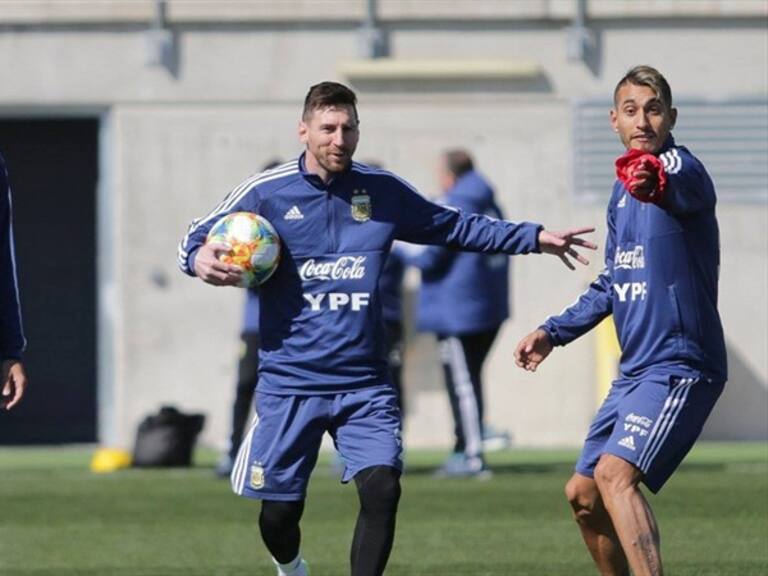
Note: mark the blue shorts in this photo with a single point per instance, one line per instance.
(280, 450)
(651, 422)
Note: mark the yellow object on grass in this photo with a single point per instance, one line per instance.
(109, 460)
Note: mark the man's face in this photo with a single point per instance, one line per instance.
(331, 136)
(641, 119)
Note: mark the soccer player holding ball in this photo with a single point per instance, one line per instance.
(323, 365)
(662, 258)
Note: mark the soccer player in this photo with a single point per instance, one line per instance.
(660, 283)
(323, 365)
(464, 299)
(12, 342)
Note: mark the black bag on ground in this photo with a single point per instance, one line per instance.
(167, 438)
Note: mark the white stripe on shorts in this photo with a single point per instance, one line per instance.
(240, 469)
(666, 420)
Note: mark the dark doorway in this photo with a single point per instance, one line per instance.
(52, 167)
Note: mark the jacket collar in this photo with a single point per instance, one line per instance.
(314, 179)
(668, 143)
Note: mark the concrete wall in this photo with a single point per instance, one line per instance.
(178, 137)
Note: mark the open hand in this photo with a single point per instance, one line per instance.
(210, 269)
(532, 350)
(561, 244)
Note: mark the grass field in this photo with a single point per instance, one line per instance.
(59, 519)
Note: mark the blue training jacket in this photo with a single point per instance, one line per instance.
(12, 342)
(251, 312)
(660, 277)
(462, 292)
(321, 325)
(390, 293)
(391, 285)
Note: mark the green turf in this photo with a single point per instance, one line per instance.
(59, 519)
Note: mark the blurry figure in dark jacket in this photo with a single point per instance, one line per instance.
(464, 299)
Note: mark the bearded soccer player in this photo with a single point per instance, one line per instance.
(323, 365)
(660, 283)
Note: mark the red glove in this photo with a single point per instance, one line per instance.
(637, 160)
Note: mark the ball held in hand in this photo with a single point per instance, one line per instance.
(254, 245)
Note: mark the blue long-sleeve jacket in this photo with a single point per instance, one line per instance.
(463, 292)
(251, 312)
(391, 285)
(12, 342)
(660, 277)
(321, 327)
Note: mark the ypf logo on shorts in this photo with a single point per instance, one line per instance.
(636, 424)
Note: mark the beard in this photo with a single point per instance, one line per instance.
(336, 160)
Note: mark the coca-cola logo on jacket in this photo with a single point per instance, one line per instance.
(343, 268)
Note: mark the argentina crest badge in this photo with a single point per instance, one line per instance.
(257, 477)
(361, 206)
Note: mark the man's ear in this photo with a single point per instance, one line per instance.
(672, 117)
(613, 117)
(303, 130)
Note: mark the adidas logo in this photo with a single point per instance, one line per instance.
(628, 442)
(622, 202)
(293, 214)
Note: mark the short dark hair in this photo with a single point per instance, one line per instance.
(650, 77)
(459, 162)
(328, 94)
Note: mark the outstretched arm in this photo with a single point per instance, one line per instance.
(423, 222)
(561, 244)
(675, 181)
(591, 307)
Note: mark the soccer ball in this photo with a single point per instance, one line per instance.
(254, 242)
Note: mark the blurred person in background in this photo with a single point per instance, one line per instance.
(662, 259)
(247, 371)
(323, 365)
(12, 342)
(463, 300)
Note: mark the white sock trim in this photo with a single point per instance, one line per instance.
(289, 568)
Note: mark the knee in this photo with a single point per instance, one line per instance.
(378, 488)
(615, 476)
(280, 515)
(583, 496)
